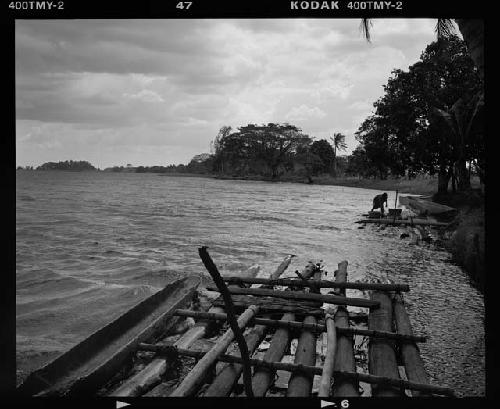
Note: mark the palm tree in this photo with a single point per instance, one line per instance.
(461, 119)
(338, 142)
(472, 31)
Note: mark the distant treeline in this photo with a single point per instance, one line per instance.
(66, 165)
(149, 169)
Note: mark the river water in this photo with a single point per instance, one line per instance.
(91, 244)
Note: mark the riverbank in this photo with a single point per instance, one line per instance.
(465, 237)
(421, 186)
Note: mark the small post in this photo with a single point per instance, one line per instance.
(238, 334)
(395, 205)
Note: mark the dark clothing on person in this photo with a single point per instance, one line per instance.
(378, 202)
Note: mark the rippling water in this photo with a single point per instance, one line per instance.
(89, 245)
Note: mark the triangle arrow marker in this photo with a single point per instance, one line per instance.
(326, 403)
(121, 404)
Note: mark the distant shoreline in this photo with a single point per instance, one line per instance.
(421, 186)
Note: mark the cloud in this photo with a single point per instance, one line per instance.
(146, 95)
(165, 87)
(303, 112)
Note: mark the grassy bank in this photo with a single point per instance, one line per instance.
(422, 186)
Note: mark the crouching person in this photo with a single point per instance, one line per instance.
(378, 202)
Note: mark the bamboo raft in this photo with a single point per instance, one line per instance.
(137, 354)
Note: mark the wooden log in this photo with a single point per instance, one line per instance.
(381, 354)
(228, 376)
(325, 383)
(414, 222)
(300, 383)
(292, 295)
(312, 370)
(192, 381)
(318, 328)
(225, 380)
(277, 308)
(281, 268)
(344, 357)
(410, 354)
(263, 376)
(151, 375)
(292, 282)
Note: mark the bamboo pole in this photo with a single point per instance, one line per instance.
(263, 376)
(410, 354)
(280, 269)
(325, 383)
(228, 376)
(321, 283)
(312, 370)
(301, 325)
(291, 295)
(381, 354)
(193, 380)
(280, 308)
(300, 383)
(231, 317)
(344, 357)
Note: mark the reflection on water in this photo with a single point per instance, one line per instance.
(89, 245)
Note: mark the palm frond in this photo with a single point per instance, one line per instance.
(445, 28)
(365, 26)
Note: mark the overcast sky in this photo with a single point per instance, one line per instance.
(156, 92)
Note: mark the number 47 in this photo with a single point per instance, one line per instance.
(184, 5)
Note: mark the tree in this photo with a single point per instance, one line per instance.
(67, 165)
(326, 155)
(464, 122)
(358, 164)
(215, 146)
(339, 144)
(201, 163)
(472, 31)
(404, 135)
(264, 149)
(311, 161)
